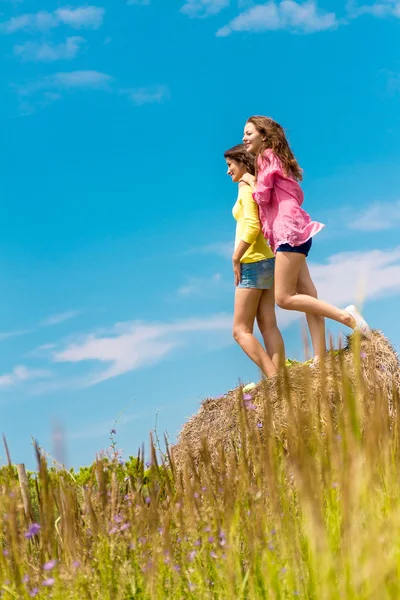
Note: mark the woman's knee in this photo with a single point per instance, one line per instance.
(283, 300)
(239, 331)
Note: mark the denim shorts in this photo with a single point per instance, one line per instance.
(302, 249)
(257, 275)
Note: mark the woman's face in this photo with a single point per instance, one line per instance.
(252, 138)
(236, 169)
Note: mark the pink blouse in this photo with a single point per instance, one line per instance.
(279, 198)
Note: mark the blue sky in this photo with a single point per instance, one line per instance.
(116, 226)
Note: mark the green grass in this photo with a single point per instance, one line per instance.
(314, 516)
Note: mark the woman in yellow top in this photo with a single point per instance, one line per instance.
(253, 266)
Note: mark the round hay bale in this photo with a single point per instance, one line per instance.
(370, 366)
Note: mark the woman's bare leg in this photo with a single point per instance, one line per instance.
(246, 306)
(316, 324)
(266, 320)
(287, 272)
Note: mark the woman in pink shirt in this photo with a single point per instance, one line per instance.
(290, 229)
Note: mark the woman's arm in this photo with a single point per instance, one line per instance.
(251, 229)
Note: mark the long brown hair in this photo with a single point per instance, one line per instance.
(240, 154)
(275, 140)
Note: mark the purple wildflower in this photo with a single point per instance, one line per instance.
(124, 527)
(148, 464)
(213, 554)
(118, 519)
(250, 406)
(211, 539)
(113, 530)
(76, 564)
(259, 425)
(207, 529)
(147, 500)
(49, 582)
(363, 355)
(32, 531)
(50, 565)
(160, 530)
(247, 397)
(113, 431)
(197, 543)
(177, 568)
(34, 592)
(203, 489)
(191, 555)
(6, 553)
(25, 579)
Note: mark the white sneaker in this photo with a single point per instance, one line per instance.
(361, 324)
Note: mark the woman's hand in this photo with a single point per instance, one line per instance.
(248, 178)
(236, 270)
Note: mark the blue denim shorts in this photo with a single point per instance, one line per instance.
(257, 275)
(302, 249)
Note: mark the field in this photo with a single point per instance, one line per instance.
(305, 505)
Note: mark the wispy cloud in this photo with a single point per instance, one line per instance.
(224, 249)
(377, 217)
(52, 320)
(51, 88)
(22, 374)
(48, 52)
(5, 335)
(134, 345)
(198, 286)
(155, 94)
(61, 317)
(85, 17)
(385, 8)
(289, 15)
(203, 8)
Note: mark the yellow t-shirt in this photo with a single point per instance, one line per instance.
(248, 227)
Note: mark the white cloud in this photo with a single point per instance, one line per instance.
(22, 374)
(302, 18)
(48, 52)
(60, 317)
(148, 95)
(376, 217)
(87, 17)
(48, 90)
(203, 8)
(5, 335)
(385, 8)
(130, 346)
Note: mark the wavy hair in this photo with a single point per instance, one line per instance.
(275, 140)
(241, 155)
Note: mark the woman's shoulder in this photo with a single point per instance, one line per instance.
(269, 161)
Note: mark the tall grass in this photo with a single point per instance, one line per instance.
(313, 515)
